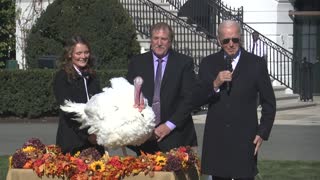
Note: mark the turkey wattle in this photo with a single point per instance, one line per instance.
(119, 116)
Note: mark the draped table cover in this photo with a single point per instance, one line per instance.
(23, 174)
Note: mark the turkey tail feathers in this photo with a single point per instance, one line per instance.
(77, 108)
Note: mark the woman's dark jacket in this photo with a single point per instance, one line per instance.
(69, 137)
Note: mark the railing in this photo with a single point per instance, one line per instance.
(206, 14)
(178, 4)
(188, 40)
(279, 60)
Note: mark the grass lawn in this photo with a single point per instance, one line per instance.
(289, 170)
(269, 170)
(3, 167)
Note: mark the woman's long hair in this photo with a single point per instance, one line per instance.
(66, 58)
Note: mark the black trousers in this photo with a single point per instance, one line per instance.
(221, 178)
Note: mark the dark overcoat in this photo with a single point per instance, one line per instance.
(69, 137)
(175, 95)
(232, 122)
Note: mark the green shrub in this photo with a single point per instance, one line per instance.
(26, 93)
(104, 23)
(29, 93)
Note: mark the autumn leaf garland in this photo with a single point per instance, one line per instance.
(49, 161)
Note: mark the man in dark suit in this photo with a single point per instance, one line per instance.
(229, 82)
(175, 125)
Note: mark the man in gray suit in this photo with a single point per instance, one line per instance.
(229, 82)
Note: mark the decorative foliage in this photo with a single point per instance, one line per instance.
(34, 143)
(90, 154)
(85, 165)
(19, 159)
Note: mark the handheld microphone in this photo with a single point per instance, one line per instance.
(229, 68)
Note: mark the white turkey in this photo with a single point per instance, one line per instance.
(119, 115)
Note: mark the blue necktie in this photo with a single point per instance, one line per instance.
(156, 95)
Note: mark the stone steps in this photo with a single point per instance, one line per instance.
(189, 36)
(293, 104)
(289, 101)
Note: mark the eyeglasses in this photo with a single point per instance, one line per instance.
(227, 40)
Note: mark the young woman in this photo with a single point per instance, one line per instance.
(75, 81)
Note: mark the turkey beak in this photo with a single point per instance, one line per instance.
(138, 97)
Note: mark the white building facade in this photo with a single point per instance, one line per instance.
(268, 17)
(27, 12)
